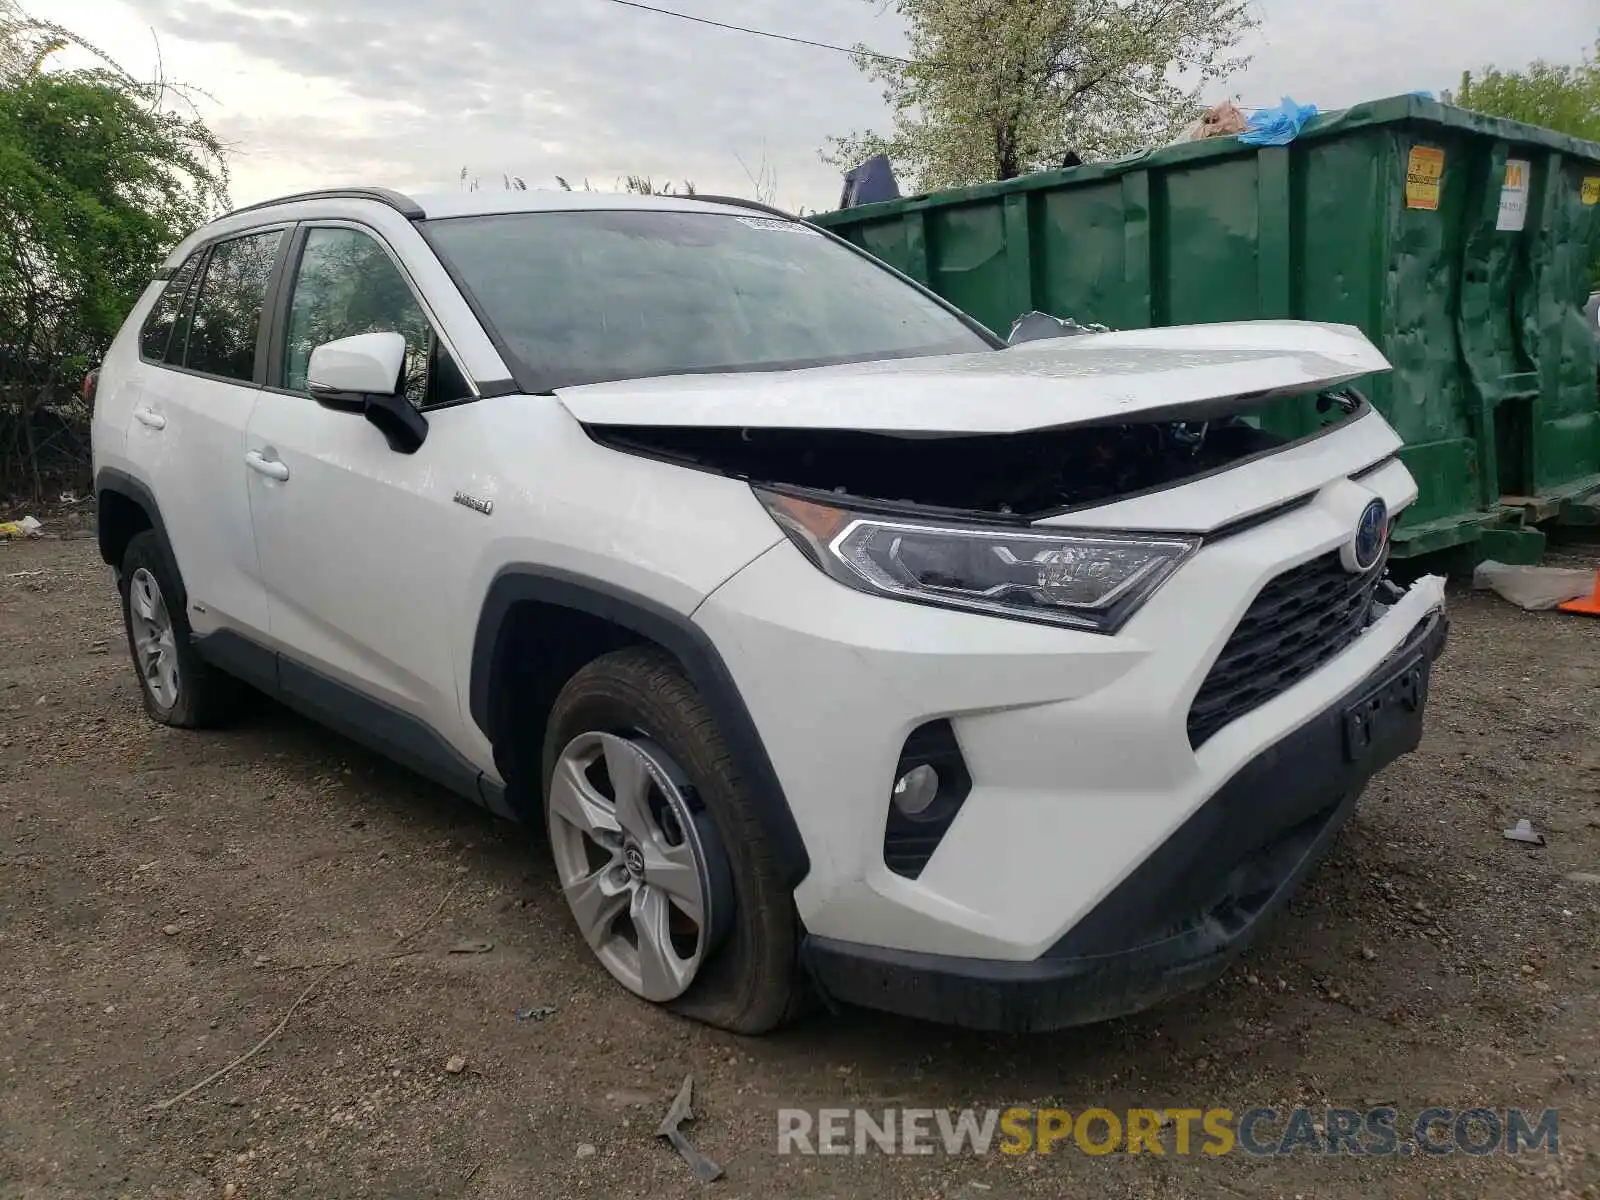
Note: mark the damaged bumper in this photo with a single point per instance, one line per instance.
(1123, 810)
(1195, 903)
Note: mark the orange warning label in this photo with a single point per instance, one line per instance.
(1424, 169)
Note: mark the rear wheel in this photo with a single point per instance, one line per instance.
(657, 850)
(178, 686)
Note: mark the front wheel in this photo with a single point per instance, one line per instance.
(657, 849)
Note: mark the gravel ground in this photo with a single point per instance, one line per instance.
(168, 897)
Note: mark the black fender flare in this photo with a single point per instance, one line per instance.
(680, 637)
(109, 479)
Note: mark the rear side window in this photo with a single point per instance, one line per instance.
(157, 331)
(226, 317)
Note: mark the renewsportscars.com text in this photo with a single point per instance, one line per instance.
(1376, 1132)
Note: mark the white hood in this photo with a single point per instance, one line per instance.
(1190, 372)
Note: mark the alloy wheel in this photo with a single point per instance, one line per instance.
(155, 646)
(632, 861)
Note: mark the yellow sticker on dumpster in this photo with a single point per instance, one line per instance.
(1591, 190)
(1423, 172)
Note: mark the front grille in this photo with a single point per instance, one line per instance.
(1299, 621)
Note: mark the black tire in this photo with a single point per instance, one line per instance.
(206, 697)
(752, 982)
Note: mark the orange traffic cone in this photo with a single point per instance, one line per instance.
(1589, 605)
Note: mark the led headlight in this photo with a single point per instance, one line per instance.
(1087, 580)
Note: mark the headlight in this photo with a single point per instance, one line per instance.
(1085, 580)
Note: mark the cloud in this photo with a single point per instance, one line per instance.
(1338, 52)
(579, 88)
(407, 92)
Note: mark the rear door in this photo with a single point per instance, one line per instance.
(193, 400)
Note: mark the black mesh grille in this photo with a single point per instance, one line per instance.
(1299, 621)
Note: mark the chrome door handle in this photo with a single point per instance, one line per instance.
(150, 417)
(270, 467)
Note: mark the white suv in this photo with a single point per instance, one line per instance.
(842, 649)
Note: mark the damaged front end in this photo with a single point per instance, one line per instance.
(1013, 476)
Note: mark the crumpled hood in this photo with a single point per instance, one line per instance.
(1190, 373)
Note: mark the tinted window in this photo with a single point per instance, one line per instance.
(346, 284)
(227, 309)
(157, 331)
(580, 297)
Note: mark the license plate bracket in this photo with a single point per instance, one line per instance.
(1385, 720)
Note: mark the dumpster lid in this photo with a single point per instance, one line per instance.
(1187, 373)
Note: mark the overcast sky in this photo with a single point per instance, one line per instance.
(407, 92)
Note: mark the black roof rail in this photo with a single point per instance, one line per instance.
(741, 202)
(402, 204)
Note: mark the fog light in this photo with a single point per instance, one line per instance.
(915, 790)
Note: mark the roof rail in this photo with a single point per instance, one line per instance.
(402, 204)
(740, 202)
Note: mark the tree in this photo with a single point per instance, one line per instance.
(996, 88)
(100, 174)
(1556, 95)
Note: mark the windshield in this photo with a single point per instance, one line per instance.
(584, 297)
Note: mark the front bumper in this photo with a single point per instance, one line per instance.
(1076, 744)
(1176, 921)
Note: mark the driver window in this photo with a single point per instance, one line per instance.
(347, 284)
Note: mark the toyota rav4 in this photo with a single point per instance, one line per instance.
(841, 648)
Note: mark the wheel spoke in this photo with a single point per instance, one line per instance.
(630, 785)
(673, 870)
(597, 900)
(144, 601)
(661, 971)
(167, 672)
(574, 799)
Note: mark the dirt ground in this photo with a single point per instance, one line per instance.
(167, 897)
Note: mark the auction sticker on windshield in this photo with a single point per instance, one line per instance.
(779, 226)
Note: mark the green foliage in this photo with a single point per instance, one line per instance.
(1558, 96)
(100, 174)
(997, 88)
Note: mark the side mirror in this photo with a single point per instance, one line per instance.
(362, 374)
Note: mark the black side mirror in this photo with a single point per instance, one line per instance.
(402, 426)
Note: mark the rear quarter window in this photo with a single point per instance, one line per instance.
(156, 335)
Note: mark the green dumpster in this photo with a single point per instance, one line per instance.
(1462, 245)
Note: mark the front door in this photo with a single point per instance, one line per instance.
(355, 539)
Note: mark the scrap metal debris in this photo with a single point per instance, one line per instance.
(704, 1169)
(1523, 831)
(537, 1013)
